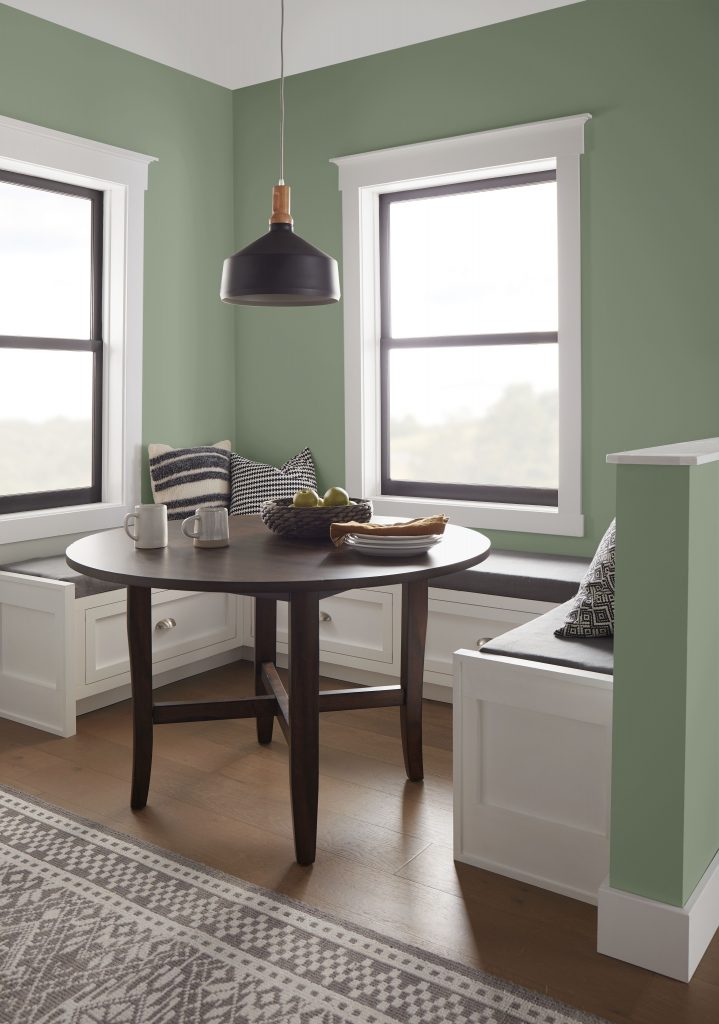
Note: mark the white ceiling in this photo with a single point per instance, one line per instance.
(235, 42)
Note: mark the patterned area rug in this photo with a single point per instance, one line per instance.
(97, 928)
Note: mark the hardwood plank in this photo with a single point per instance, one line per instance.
(243, 800)
(337, 833)
(17, 762)
(91, 751)
(436, 724)
(204, 835)
(18, 736)
(387, 778)
(386, 747)
(77, 788)
(435, 867)
(405, 811)
(697, 1002)
(186, 742)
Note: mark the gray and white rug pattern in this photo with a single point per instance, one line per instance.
(97, 928)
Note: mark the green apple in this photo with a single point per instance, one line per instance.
(336, 496)
(306, 499)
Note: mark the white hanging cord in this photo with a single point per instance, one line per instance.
(282, 92)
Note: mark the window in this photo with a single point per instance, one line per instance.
(71, 299)
(51, 348)
(469, 370)
(462, 327)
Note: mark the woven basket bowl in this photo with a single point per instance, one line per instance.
(280, 516)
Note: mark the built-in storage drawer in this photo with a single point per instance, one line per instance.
(357, 625)
(183, 622)
(453, 625)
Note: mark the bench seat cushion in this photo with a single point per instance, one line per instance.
(551, 578)
(535, 641)
(54, 567)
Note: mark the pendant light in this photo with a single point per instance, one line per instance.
(280, 268)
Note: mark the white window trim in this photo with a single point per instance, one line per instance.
(362, 178)
(122, 176)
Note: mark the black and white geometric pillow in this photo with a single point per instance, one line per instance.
(592, 613)
(185, 479)
(252, 483)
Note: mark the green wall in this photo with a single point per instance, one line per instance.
(665, 759)
(647, 71)
(58, 78)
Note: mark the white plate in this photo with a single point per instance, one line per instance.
(382, 549)
(362, 539)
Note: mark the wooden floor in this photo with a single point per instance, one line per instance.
(384, 844)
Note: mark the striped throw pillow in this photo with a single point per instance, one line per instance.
(255, 482)
(185, 479)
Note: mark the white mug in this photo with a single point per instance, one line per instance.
(150, 522)
(208, 528)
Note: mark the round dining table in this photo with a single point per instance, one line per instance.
(269, 568)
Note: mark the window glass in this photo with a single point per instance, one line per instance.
(485, 415)
(45, 420)
(474, 262)
(45, 263)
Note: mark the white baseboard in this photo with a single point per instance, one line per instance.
(662, 938)
(525, 876)
(440, 692)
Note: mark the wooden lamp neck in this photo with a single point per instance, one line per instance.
(281, 205)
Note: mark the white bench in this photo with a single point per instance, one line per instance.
(532, 749)
(63, 648)
(63, 644)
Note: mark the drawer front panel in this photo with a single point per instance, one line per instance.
(452, 626)
(200, 620)
(359, 625)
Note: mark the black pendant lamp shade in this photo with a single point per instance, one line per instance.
(280, 268)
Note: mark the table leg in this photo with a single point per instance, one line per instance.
(304, 729)
(414, 634)
(139, 635)
(265, 650)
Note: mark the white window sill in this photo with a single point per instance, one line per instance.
(57, 522)
(480, 515)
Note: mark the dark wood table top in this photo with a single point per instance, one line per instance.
(260, 562)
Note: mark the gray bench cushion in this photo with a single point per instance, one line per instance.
(551, 578)
(535, 641)
(54, 567)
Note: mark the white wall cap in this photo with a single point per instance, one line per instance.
(682, 453)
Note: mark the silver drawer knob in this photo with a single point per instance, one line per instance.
(482, 641)
(325, 617)
(166, 624)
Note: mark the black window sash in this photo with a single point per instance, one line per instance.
(38, 500)
(424, 489)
